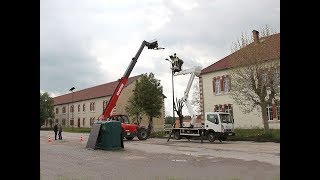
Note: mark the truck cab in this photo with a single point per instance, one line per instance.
(218, 125)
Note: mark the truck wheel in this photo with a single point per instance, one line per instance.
(211, 137)
(177, 135)
(142, 134)
(129, 138)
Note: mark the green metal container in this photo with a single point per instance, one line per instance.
(110, 137)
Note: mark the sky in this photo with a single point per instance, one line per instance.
(85, 43)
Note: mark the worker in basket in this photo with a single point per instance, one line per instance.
(176, 63)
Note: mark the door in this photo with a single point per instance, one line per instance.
(78, 122)
(212, 122)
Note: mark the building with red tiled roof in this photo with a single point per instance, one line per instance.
(81, 108)
(215, 83)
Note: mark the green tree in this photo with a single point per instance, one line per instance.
(134, 110)
(256, 73)
(46, 108)
(169, 120)
(147, 97)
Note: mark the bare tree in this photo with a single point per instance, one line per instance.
(178, 110)
(256, 73)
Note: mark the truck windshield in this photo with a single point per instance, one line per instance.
(225, 118)
(125, 119)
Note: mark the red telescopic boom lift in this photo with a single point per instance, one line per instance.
(114, 98)
(95, 129)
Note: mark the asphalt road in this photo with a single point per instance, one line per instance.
(158, 159)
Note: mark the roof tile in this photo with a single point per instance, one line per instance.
(271, 50)
(90, 93)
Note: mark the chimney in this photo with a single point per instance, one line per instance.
(255, 36)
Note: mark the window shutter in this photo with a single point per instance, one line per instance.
(274, 113)
(222, 108)
(222, 83)
(229, 81)
(214, 85)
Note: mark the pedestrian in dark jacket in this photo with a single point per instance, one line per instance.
(55, 129)
(60, 131)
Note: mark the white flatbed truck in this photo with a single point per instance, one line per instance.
(217, 125)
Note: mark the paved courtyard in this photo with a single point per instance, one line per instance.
(158, 159)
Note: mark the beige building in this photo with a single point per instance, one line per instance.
(81, 108)
(215, 85)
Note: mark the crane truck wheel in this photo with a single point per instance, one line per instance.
(177, 135)
(211, 137)
(142, 134)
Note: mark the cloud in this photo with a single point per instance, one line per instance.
(88, 43)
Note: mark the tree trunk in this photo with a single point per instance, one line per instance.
(265, 116)
(150, 126)
(137, 116)
(181, 120)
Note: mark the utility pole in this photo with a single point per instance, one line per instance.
(72, 107)
(176, 64)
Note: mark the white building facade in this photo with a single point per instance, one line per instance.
(81, 108)
(214, 86)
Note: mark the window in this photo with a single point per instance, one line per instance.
(212, 117)
(63, 109)
(217, 86)
(71, 122)
(217, 108)
(92, 106)
(225, 118)
(84, 107)
(91, 121)
(269, 112)
(83, 121)
(78, 107)
(57, 110)
(63, 122)
(226, 84)
(122, 119)
(228, 109)
(104, 104)
(72, 108)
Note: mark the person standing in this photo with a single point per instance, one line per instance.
(55, 129)
(60, 131)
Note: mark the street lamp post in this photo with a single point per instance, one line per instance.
(72, 106)
(172, 72)
(176, 64)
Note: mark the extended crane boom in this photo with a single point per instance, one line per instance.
(195, 71)
(122, 82)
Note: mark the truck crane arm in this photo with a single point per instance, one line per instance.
(195, 71)
(124, 79)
